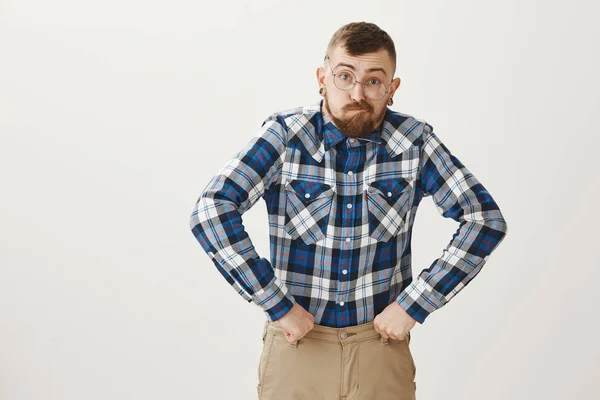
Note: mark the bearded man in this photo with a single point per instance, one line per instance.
(342, 180)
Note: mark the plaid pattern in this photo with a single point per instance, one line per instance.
(340, 213)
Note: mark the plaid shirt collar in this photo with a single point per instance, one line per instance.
(318, 134)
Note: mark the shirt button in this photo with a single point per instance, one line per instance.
(343, 335)
(341, 303)
(389, 194)
(347, 239)
(345, 272)
(307, 195)
(351, 141)
(349, 205)
(350, 172)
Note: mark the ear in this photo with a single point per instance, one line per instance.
(394, 86)
(321, 76)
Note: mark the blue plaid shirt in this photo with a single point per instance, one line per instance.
(341, 212)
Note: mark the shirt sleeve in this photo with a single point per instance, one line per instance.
(457, 194)
(216, 220)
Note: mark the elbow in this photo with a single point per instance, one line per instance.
(503, 227)
(205, 219)
(201, 231)
(499, 227)
(198, 215)
(195, 225)
(502, 224)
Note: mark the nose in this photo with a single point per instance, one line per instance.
(358, 92)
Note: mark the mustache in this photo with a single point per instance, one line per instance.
(363, 106)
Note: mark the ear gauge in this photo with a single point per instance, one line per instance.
(322, 90)
(391, 101)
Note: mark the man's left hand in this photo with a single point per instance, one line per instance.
(394, 322)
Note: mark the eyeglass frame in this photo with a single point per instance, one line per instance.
(387, 89)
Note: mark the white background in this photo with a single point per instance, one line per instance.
(115, 114)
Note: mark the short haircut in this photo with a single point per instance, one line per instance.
(359, 38)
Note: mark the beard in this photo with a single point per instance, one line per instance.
(361, 124)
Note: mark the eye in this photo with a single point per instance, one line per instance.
(344, 77)
(374, 81)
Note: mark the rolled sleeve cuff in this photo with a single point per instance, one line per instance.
(418, 300)
(274, 299)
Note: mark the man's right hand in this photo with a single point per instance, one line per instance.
(296, 323)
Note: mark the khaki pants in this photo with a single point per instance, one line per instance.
(353, 363)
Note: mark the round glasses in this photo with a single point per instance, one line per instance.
(345, 80)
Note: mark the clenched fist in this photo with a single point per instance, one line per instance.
(296, 323)
(393, 322)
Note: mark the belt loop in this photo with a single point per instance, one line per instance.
(384, 340)
(294, 343)
(265, 330)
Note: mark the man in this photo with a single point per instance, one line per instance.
(342, 180)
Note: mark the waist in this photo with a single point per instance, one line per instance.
(330, 334)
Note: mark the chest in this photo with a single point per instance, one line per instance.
(352, 170)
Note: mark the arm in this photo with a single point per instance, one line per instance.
(216, 220)
(460, 196)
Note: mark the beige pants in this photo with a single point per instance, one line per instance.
(353, 363)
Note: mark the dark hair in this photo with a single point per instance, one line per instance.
(363, 37)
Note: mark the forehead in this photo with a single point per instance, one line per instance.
(362, 62)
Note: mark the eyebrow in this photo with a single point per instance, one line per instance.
(353, 69)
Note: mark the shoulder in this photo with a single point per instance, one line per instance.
(397, 119)
(294, 117)
(300, 127)
(401, 131)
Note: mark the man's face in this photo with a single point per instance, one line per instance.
(351, 111)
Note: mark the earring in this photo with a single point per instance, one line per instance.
(391, 101)
(322, 90)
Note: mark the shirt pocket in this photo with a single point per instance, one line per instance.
(388, 201)
(307, 209)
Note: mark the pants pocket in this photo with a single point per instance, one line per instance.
(311, 370)
(265, 356)
(412, 360)
(385, 371)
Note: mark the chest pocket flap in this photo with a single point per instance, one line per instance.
(391, 188)
(309, 191)
(388, 201)
(308, 205)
